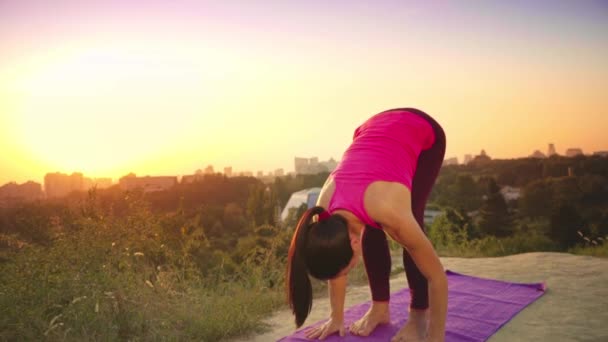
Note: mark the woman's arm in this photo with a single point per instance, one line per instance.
(403, 228)
(337, 295)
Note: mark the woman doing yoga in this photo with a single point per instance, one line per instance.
(380, 186)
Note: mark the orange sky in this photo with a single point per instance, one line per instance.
(112, 88)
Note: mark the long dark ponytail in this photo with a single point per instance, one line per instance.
(320, 248)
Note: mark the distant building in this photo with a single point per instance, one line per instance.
(59, 184)
(306, 196)
(482, 158)
(228, 171)
(601, 153)
(510, 193)
(551, 150)
(98, 183)
(247, 174)
(189, 179)
(279, 173)
(147, 183)
(209, 170)
(538, 154)
(260, 174)
(330, 165)
(13, 193)
(308, 166)
(430, 215)
(573, 152)
(301, 164)
(450, 161)
(467, 158)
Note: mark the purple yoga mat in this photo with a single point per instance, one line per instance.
(477, 308)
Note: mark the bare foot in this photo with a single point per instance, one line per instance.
(416, 327)
(377, 314)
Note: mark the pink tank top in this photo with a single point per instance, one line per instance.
(384, 148)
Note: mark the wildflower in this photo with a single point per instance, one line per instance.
(149, 283)
(97, 307)
(138, 254)
(579, 233)
(113, 244)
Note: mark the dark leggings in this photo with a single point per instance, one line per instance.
(376, 254)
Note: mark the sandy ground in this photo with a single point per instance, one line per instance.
(574, 308)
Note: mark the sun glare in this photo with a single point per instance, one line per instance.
(101, 111)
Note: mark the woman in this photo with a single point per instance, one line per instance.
(380, 186)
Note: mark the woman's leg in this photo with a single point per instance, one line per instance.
(429, 164)
(377, 260)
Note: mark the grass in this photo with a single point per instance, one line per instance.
(109, 280)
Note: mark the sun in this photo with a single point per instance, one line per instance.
(102, 111)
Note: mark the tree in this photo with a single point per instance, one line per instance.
(537, 199)
(452, 227)
(494, 214)
(565, 223)
(262, 205)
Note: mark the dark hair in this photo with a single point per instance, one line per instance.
(321, 249)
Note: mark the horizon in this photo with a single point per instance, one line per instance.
(235, 173)
(108, 88)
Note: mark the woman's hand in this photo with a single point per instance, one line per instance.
(328, 328)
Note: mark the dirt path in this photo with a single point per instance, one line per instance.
(575, 307)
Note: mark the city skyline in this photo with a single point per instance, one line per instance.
(281, 171)
(113, 87)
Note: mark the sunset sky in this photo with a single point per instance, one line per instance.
(168, 87)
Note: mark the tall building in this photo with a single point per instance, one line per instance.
(13, 193)
(313, 166)
(209, 170)
(228, 171)
(279, 172)
(260, 174)
(301, 165)
(313, 162)
(330, 165)
(551, 150)
(573, 152)
(59, 184)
